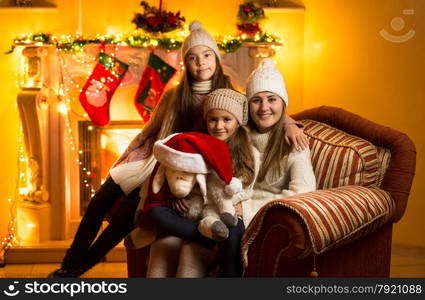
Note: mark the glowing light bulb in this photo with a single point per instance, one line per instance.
(62, 108)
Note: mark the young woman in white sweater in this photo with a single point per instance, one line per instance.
(283, 171)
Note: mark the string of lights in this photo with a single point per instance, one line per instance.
(64, 107)
(20, 188)
(139, 39)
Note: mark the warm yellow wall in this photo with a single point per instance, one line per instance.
(348, 64)
(289, 26)
(9, 123)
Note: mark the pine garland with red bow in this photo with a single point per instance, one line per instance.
(249, 16)
(155, 19)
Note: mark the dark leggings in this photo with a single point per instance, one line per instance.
(230, 252)
(83, 253)
(169, 222)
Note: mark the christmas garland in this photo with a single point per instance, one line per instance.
(232, 44)
(137, 40)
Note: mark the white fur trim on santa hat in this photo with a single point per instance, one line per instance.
(234, 187)
(178, 160)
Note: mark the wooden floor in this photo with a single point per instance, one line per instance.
(102, 270)
(405, 262)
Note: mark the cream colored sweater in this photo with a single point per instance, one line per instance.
(297, 177)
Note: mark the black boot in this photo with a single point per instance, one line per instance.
(72, 265)
(66, 273)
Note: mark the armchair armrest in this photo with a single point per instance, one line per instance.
(294, 227)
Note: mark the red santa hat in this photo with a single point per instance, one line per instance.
(198, 153)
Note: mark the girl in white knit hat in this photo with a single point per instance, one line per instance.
(226, 114)
(283, 172)
(179, 110)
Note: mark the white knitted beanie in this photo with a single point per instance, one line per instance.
(198, 36)
(230, 101)
(266, 78)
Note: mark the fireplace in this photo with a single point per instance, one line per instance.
(99, 148)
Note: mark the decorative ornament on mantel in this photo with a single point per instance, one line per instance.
(157, 20)
(23, 2)
(249, 15)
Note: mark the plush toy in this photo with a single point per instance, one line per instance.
(187, 159)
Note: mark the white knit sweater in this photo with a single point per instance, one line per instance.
(297, 177)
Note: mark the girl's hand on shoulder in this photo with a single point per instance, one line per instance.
(181, 205)
(238, 209)
(296, 138)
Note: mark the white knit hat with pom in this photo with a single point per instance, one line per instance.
(198, 36)
(266, 78)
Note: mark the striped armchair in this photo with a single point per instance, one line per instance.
(364, 173)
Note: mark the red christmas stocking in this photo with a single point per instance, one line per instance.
(154, 78)
(99, 88)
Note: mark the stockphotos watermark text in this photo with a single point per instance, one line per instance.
(64, 288)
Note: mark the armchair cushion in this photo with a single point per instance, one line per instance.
(384, 158)
(339, 158)
(332, 217)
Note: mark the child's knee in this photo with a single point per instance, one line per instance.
(159, 213)
(154, 213)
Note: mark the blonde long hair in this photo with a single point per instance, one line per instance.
(276, 149)
(242, 158)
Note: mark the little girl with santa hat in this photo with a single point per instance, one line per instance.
(226, 113)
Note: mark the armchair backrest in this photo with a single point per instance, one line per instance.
(341, 159)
